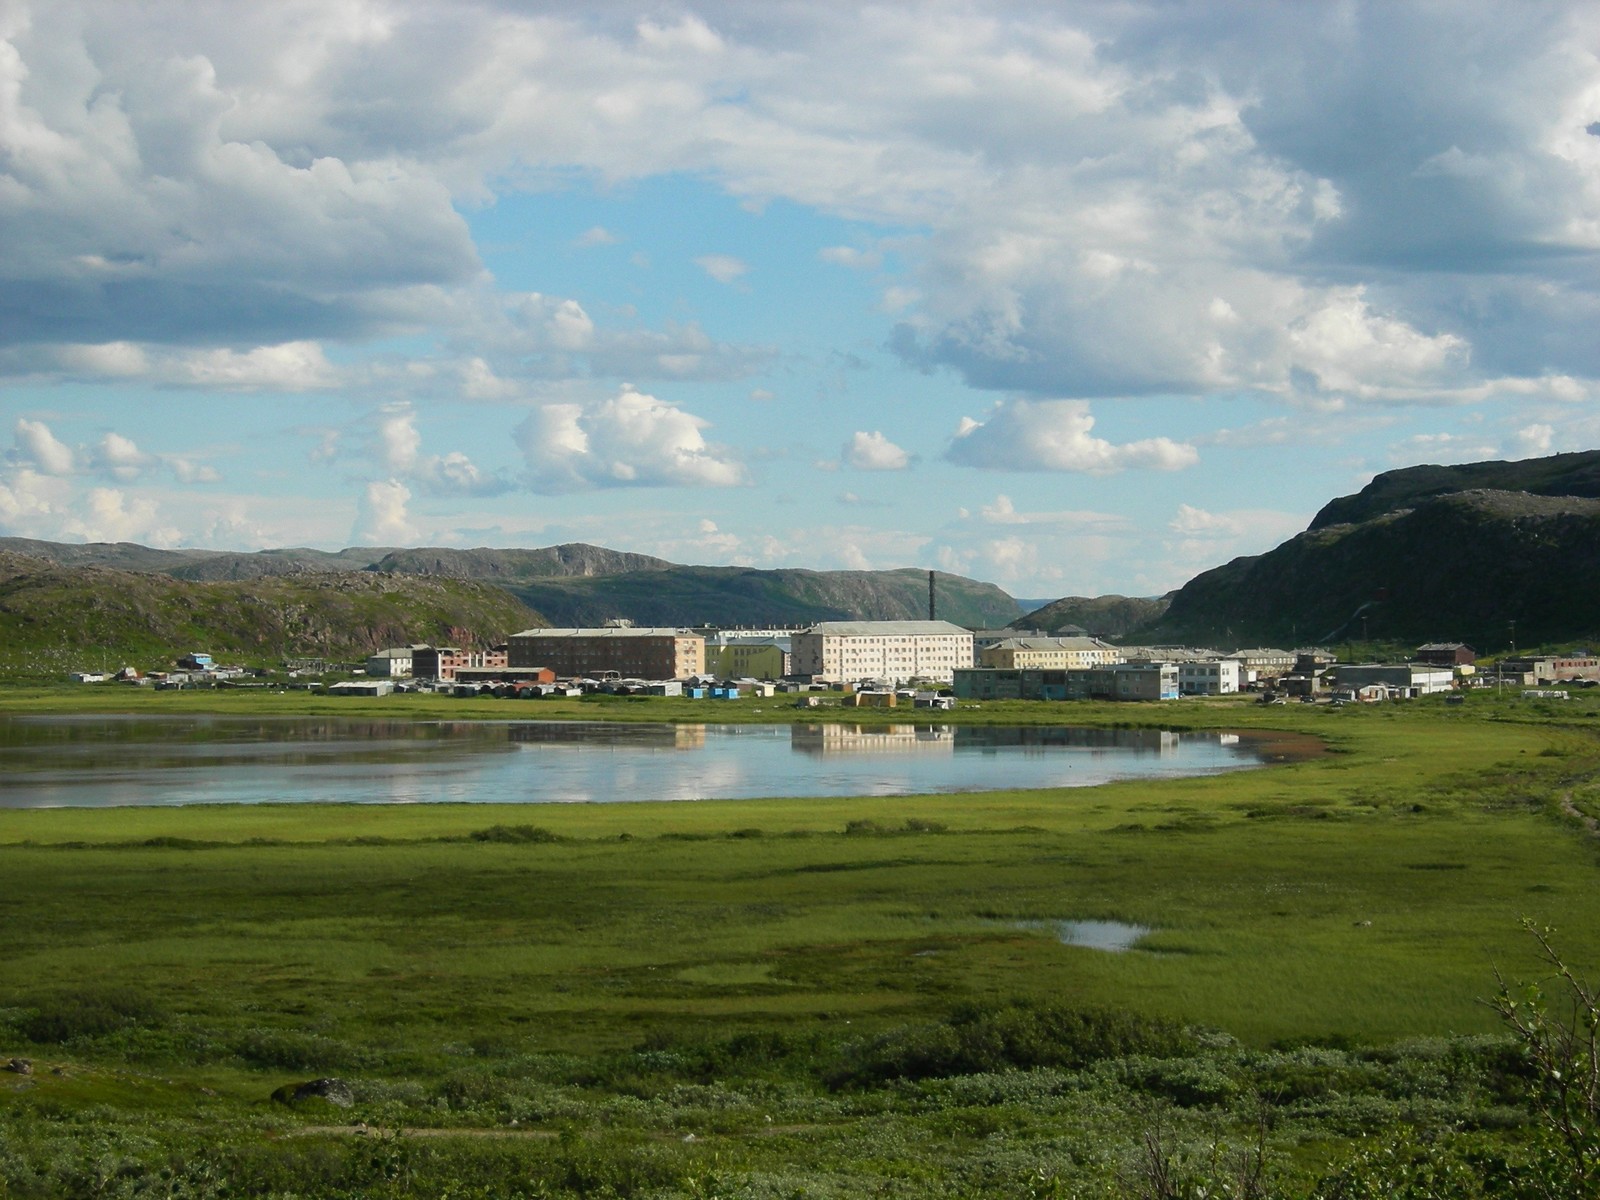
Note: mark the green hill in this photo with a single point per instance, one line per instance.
(1101, 616)
(1458, 567)
(733, 596)
(55, 619)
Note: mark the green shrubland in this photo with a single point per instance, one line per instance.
(832, 997)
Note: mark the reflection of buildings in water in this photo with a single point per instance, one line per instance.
(838, 738)
(599, 735)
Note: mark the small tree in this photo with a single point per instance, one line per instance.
(1561, 1037)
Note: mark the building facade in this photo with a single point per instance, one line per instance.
(1116, 681)
(442, 662)
(1045, 653)
(1219, 677)
(648, 652)
(1411, 679)
(734, 656)
(898, 651)
(1447, 654)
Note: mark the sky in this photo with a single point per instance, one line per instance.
(1075, 298)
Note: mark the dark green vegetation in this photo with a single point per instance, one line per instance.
(56, 619)
(1410, 560)
(822, 997)
(1101, 616)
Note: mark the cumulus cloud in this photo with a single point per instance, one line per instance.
(120, 457)
(398, 450)
(382, 516)
(627, 440)
(35, 444)
(1116, 201)
(724, 268)
(1055, 435)
(874, 452)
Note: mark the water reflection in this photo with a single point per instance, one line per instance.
(97, 761)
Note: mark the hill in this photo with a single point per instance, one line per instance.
(55, 619)
(1101, 616)
(1555, 475)
(731, 596)
(571, 559)
(579, 584)
(1461, 566)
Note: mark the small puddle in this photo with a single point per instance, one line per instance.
(1114, 936)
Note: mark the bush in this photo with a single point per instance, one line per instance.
(67, 1016)
(515, 834)
(1022, 1035)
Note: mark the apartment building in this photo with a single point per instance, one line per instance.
(647, 652)
(897, 651)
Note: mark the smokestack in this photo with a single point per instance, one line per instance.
(931, 617)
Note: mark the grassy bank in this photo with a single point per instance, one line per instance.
(467, 965)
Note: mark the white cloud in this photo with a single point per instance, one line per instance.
(398, 451)
(290, 367)
(628, 440)
(37, 445)
(724, 268)
(874, 452)
(1535, 439)
(1055, 435)
(596, 235)
(1197, 522)
(849, 256)
(382, 518)
(120, 458)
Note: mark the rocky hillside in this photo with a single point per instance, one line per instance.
(1556, 475)
(55, 619)
(578, 584)
(745, 596)
(571, 559)
(1101, 616)
(1457, 567)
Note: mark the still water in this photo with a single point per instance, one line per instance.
(99, 761)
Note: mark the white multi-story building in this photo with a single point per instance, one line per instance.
(391, 663)
(897, 651)
(1219, 677)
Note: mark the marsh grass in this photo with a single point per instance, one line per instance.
(622, 976)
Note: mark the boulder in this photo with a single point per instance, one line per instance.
(20, 1066)
(335, 1091)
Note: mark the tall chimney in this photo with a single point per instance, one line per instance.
(931, 617)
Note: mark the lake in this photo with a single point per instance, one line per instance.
(98, 761)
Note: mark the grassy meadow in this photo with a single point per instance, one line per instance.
(823, 996)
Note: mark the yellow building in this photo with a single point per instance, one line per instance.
(1049, 653)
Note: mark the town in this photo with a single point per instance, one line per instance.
(922, 664)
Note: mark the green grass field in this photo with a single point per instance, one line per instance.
(1362, 898)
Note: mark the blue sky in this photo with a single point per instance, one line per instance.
(1076, 298)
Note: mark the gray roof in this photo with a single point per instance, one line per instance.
(609, 632)
(888, 629)
(1054, 643)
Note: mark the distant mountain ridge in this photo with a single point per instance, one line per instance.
(579, 584)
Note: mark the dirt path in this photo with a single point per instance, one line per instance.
(1572, 810)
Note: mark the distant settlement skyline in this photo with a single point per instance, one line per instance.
(1076, 299)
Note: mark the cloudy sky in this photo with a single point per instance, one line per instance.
(1075, 298)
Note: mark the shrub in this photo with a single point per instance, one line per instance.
(515, 834)
(67, 1016)
(1021, 1035)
